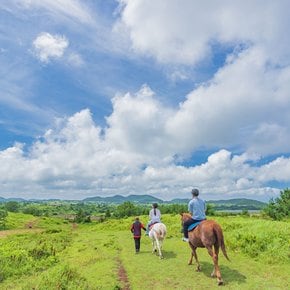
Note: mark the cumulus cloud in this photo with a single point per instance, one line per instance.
(242, 105)
(145, 132)
(76, 158)
(245, 104)
(47, 46)
(188, 33)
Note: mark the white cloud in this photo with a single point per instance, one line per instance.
(75, 159)
(145, 131)
(187, 33)
(233, 108)
(244, 105)
(73, 9)
(47, 46)
(75, 59)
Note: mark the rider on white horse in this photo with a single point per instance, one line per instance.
(154, 216)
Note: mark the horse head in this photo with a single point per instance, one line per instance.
(185, 216)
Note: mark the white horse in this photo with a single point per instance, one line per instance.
(157, 234)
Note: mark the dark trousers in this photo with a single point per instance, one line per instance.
(137, 244)
(186, 225)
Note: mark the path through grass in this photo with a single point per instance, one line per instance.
(102, 256)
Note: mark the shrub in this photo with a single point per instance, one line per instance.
(3, 216)
(279, 208)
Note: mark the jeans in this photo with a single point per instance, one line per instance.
(186, 225)
(137, 244)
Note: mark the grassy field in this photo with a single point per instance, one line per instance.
(55, 254)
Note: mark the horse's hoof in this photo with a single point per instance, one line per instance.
(221, 282)
(198, 269)
(213, 275)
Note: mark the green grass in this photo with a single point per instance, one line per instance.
(89, 256)
(18, 220)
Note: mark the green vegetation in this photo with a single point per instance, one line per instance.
(3, 216)
(56, 254)
(88, 245)
(279, 208)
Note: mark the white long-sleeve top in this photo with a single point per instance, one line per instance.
(155, 218)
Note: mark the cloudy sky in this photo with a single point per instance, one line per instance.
(144, 97)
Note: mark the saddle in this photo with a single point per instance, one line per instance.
(193, 226)
(150, 227)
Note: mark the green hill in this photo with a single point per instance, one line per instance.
(120, 199)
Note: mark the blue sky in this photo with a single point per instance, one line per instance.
(139, 97)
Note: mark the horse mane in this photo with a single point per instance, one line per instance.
(185, 215)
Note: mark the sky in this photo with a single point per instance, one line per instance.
(99, 98)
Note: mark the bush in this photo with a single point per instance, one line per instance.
(12, 206)
(82, 217)
(3, 216)
(33, 210)
(279, 208)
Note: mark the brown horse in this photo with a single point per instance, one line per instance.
(208, 234)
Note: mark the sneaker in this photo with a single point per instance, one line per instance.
(185, 239)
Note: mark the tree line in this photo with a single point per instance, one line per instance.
(276, 209)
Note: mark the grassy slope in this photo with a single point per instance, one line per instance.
(89, 260)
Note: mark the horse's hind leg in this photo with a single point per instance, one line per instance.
(216, 270)
(154, 249)
(159, 249)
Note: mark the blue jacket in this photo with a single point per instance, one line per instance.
(197, 208)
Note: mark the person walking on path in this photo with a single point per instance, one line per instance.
(136, 228)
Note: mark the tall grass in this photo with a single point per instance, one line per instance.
(89, 256)
(261, 239)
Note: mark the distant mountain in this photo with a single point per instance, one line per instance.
(121, 199)
(229, 204)
(45, 200)
(18, 199)
(179, 200)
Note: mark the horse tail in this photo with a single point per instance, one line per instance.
(162, 232)
(220, 240)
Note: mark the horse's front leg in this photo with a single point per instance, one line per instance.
(193, 254)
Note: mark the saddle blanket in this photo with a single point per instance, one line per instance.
(150, 226)
(193, 226)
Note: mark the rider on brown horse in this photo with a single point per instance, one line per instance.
(197, 208)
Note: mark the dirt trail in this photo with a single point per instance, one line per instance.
(6, 233)
(29, 227)
(122, 276)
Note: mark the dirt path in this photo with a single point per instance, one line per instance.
(6, 233)
(122, 276)
(31, 224)
(29, 227)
